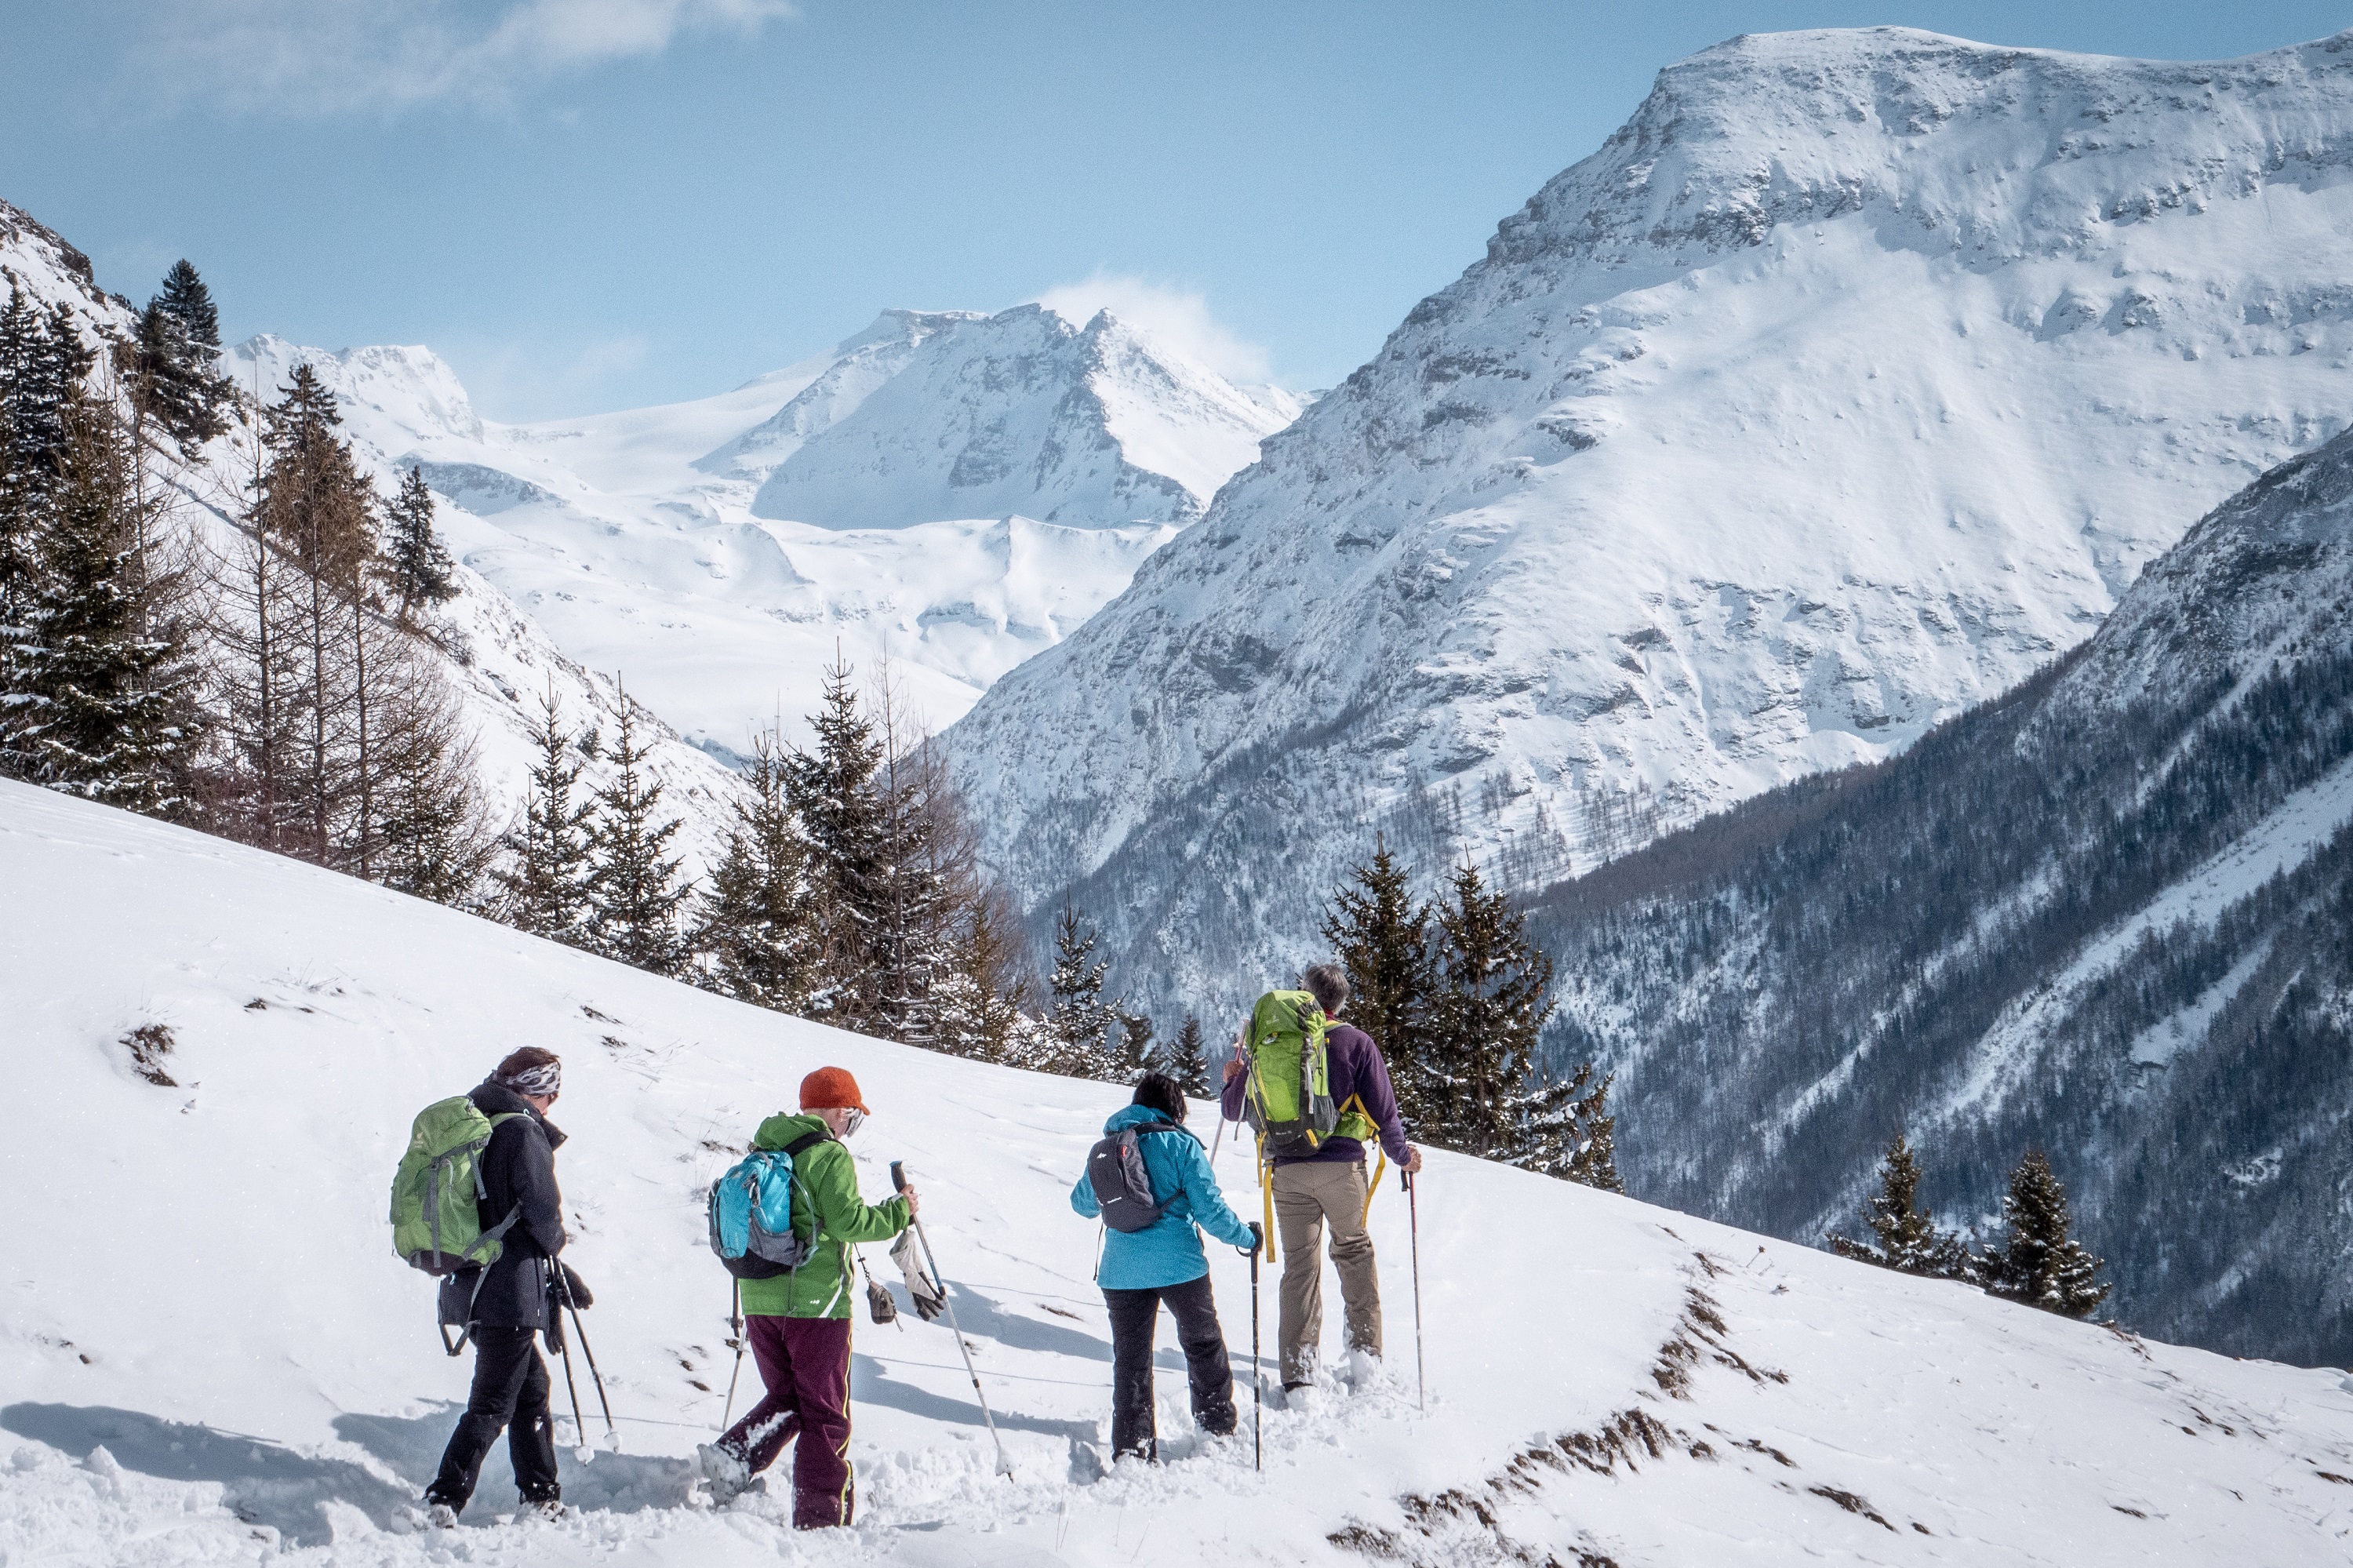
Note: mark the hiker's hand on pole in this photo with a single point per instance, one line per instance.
(1257, 1240)
(576, 1289)
(914, 1203)
(1412, 1160)
(1233, 1070)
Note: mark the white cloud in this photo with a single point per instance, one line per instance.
(1177, 317)
(324, 57)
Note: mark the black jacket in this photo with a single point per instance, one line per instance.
(518, 1172)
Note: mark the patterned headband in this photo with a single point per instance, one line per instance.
(543, 1080)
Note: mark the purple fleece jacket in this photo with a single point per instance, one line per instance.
(1353, 1066)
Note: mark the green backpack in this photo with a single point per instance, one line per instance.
(435, 1223)
(1289, 1101)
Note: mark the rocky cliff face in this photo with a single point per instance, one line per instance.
(1852, 379)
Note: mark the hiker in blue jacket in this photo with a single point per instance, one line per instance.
(1164, 1262)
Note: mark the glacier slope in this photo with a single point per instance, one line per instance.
(209, 1352)
(1852, 379)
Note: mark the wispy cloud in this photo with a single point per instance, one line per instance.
(1178, 317)
(331, 57)
(518, 381)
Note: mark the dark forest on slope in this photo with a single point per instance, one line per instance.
(1980, 942)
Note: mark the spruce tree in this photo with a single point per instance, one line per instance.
(1904, 1238)
(178, 358)
(416, 567)
(1189, 1059)
(833, 794)
(977, 1002)
(1383, 942)
(96, 707)
(2040, 1263)
(634, 899)
(758, 921)
(43, 361)
(1136, 1045)
(547, 878)
(1079, 1019)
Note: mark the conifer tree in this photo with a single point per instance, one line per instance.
(2040, 1263)
(1188, 1060)
(416, 567)
(42, 362)
(1383, 942)
(978, 1007)
(546, 880)
(832, 792)
(1136, 1045)
(1486, 1090)
(634, 899)
(178, 358)
(758, 921)
(1079, 1020)
(1904, 1238)
(96, 705)
(432, 835)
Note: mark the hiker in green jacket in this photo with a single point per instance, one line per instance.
(799, 1322)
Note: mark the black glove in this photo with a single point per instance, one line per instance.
(1257, 1240)
(576, 1289)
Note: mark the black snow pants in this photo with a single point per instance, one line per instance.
(511, 1391)
(1135, 1319)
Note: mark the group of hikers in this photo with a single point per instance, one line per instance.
(1315, 1090)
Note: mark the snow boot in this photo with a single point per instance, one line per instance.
(415, 1519)
(728, 1476)
(549, 1510)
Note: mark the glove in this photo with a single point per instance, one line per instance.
(922, 1288)
(1257, 1239)
(577, 1288)
(879, 1305)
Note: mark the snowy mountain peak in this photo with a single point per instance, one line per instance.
(1850, 380)
(1021, 412)
(391, 395)
(860, 363)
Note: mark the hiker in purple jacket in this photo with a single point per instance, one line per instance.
(1329, 1186)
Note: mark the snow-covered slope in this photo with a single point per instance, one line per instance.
(208, 1352)
(884, 498)
(2104, 916)
(1854, 377)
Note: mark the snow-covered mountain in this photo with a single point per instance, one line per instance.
(497, 659)
(210, 1353)
(2106, 916)
(949, 490)
(1855, 377)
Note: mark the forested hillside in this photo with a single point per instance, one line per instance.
(2106, 916)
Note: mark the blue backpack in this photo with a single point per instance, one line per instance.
(752, 1214)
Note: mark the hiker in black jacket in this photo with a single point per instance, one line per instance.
(505, 1304)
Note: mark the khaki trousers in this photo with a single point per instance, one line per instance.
(1306, 1198)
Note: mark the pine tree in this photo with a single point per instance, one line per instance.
(1904, 1238)
(1079, 1019)
(1136, 1045)
(832, 791)
(634, 899)
(1188, 1060)
(1382, 940)
(2040, 1263)
(545, 881)
(178, 356)
(96, 706)
(416, 567)
(977, 1003)
(758, 921)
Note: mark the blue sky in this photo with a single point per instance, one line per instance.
(593, 204)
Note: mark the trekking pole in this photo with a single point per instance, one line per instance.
(1258, 1376)
(1413, 1230)
(899, 1184)
(554, 1332)
(735, 1328)
(612, 1434)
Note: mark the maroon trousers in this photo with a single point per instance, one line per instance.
(805, 1365)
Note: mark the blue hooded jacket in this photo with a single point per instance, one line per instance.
(1166, 1252)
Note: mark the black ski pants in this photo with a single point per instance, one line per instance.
(510, 1392)
(1134, 1320)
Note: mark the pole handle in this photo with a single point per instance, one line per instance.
(898, 1175)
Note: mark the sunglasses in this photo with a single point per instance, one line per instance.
(856, 1119)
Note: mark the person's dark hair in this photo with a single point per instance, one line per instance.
(1330, 984)
(1158, 1091)
(522, 1061)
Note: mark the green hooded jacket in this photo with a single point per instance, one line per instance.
(826, 1201)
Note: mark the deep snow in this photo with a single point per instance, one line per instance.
(210, 1354)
